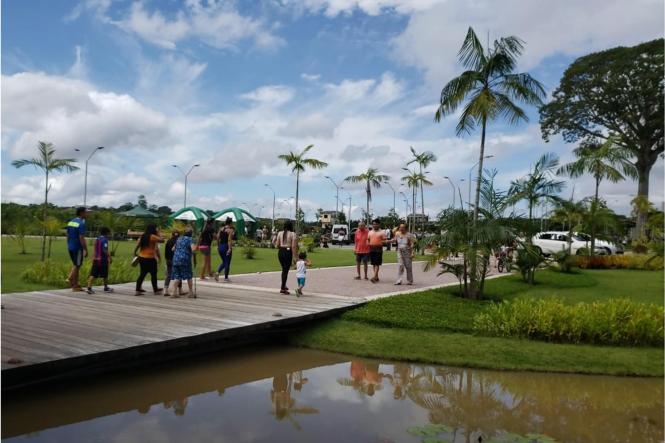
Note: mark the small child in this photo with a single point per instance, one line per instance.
(100, 261)
(301, 271)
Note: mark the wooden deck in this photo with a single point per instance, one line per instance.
(61, 334)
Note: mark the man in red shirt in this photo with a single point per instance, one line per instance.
(361, 248)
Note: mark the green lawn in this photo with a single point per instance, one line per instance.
(13, 263)
(436, 326)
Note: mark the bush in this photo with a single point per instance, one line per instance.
(55, 274)
(308, 244)
(248, 247)
(612, 322)
(626, 261)
(565, 261)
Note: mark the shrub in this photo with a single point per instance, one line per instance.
(53, 273)
(308, 244)
(248, 247)
(565, 261)
(528, 260)
(612, 322)
(627, 261)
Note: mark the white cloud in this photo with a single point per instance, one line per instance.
(332, 8)
(79, 69)
(271, 95)
(310, 77)
(433, 36)
(380, 93)
(215, 23)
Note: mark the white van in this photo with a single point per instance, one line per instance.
(340, 234)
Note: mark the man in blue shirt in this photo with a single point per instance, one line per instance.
(78, 249)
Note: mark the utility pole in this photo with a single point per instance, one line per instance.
(184, 205)
(85, 183)
(337, 187)
(394, 195)
(272, 227)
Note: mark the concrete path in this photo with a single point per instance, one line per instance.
(340, 281)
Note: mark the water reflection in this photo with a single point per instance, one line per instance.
(316, 396)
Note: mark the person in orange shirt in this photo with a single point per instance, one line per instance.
(361, 248)
(148, 254)
(376, 239)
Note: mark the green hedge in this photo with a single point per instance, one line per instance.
(55, 273)
(615, 322)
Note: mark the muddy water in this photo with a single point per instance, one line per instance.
(294, 395)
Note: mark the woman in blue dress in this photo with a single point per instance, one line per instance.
(182, 265)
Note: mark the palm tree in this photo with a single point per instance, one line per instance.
(571, 214)
(371, 178)
(491, 87)
(47, 162)
(299, 161)
(606, 161)
(413, 180)
(423, 159)
(537, 185)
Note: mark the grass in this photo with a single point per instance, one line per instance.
(13, 263)
(436, 326)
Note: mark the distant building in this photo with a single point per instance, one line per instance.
(419, 218)
(327, 218)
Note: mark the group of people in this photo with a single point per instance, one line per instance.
(180, 248)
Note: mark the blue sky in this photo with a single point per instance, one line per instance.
(231, 85)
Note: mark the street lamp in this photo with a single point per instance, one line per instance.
(470, 170)
(348, 221)
(394, 194)
(184, 205)
(453, 185)
(336, 198)
(85, 185)
(288, 200)
(272, 228)
(406, 208)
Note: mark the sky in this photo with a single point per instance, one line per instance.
(230, 85)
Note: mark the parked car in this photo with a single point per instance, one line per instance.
(610, 248)
(551, 242)
(340, 234)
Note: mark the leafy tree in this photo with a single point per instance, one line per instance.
(142, 201)
(539, 184)
(298, 161)
(47, 162)
(53, 227)
(617, 93)
(423, 160)
(605, 161)
(372, 179)
(490, 88)
(571, 214)
(413, 180)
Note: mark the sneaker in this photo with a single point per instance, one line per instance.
(398, 282)
(284, 291)
(226, 280)
(140, 290)
(159, 291)
(77, 289)
(298, 292)
(107, 289)
(89, 291)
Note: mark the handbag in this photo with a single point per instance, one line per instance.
(135, 261)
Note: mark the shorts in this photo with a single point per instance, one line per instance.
(362, 257)
(301, 281)
(99, 269)
(376, 255)
(205, 250)
(77, 257)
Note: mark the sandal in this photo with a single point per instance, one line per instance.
(356, 278)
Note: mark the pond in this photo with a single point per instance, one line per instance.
(296, 395)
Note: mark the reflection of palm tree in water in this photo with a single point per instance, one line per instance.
(284, 406)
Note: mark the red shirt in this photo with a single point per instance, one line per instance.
(361, 244)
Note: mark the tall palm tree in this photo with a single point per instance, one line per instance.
(372, 179)
(423, 159)
(298, 163)
(492, 88)
(538, 185)
(47, 162)
(606, 161)
(413, 180)
(570, 214)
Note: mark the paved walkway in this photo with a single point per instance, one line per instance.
(340, 281)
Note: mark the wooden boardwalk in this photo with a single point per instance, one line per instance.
(61, 334)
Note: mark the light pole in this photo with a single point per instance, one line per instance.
(272, 227)
(470, 170)
(85, 183)
(288, 200)
(406, 209)
(348, 221)
(337, 187)
(453, 185)
(184, 205)
(394, 194)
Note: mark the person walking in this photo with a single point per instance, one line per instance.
(183, 253)
(405, 253)
(287, 249)
(146, 249)
(377, 238)
(225, 248)
(388, 233)
(301, 271)
(168, 256)
(205, 246)
(78, 248)
(361, 248)
(101, 260)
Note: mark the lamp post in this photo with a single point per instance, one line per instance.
(470, 170)
(288, 200)
(453, 185)
(184, 205)
(394, 195)
(348, 221)
(406, 209)
(337, 187)
(272, 227)
(85, 183)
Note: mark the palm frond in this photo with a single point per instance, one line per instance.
(523, 87)
(471, 54)
(455, 91)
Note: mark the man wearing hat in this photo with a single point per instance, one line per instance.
(78, 248)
